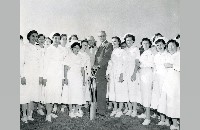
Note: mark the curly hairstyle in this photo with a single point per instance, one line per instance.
(146, 39)
(129, 35)
(30, 33)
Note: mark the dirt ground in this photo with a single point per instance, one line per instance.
(64, 122)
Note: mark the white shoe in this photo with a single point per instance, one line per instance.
(30, 118)
(146, 122)
(54, 109)
(72, 114)
(154, 115)
(48, 118)
(142, 116)
(53, 115)
(80, 112)
(40, 112)
(161, 123)
(119, 114)
(62, 110)
(125, 111)
(77, 114)
(128, 113)
(172, 127)
(134, 114)
(109, 107)
(24, 119)
(113, 113)
(167, 123)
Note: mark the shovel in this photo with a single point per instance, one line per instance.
(93, 105)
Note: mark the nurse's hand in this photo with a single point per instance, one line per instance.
(89, 81)
(23, 81)
(121, 78)
(84, 83)
(133, 77)
(40, 81)
(67, 67)
(138, 63)
(108, 77)
(63, 82)
(66, 81)
(44, 82)
(139, 69)
(94, 67)
(168, 65)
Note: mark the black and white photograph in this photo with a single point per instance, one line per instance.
(100, 65)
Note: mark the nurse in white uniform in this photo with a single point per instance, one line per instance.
(53, 75)
(146, 78)
(171, 85)
(118, 90)
(31, 71)
(75, 79)
(40, 47)
(159, 76)
(47, 43)
(87, 68)
(23, 92)
(65, 49)
(131, 77)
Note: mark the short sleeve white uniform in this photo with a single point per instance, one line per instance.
(64, 99)
(159, 76)
(23, 89)
(171, 89)
(32, 71)
(146, 77)
(117, 91)
(75, 79)
(132, 54)
(54, 73)
(87, 68)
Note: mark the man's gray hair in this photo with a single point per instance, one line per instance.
(102, 32)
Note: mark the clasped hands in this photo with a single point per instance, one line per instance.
(96, 67)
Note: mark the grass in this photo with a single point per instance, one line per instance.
(64, 122)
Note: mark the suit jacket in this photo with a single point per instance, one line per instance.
(102, 57)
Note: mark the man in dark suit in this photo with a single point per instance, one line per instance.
(102, 57)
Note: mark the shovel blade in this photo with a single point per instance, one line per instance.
(92, 110)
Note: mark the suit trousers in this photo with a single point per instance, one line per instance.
(101, 84)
